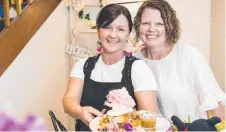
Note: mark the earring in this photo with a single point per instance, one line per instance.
(127, 49)
(99, 49)
(128, 54)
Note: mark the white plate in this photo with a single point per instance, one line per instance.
(162, 124)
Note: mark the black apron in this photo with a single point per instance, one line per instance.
(94, 93)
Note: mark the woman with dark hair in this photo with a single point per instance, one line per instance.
(186, 85)
(93, 78)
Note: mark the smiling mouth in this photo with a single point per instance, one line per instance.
(152, 36)
(114, 41)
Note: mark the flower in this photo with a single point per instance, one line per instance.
(104, 2)
(77, 5)
(31, 123)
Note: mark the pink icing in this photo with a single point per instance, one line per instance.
(119, 98)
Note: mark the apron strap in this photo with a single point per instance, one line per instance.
(89, 65)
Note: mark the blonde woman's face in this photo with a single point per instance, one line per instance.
(114, 37)
(152, 28)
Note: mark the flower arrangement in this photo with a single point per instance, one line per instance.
(31, 123)
(78, 6)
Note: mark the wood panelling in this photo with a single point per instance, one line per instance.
(14, 38)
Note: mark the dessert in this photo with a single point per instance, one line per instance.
(122, 116)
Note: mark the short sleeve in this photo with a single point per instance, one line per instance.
(142, 77)
(206, 86)
(77, 70)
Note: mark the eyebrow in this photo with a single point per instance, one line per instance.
(124, 26)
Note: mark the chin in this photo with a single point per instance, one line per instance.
(151, 44)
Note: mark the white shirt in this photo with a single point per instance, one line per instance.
(141, 75)
(185, 83)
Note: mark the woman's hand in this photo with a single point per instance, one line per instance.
(88, 113)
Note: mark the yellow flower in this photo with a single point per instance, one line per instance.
(86, 21)
(220, 126)
(92, 23)
(209, 115)
(175, 128)
(104, 2)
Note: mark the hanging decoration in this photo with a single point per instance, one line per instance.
(73, 48)
(78, 6)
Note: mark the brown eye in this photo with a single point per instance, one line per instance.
(159, 24)
(107, 27)
(121, 29)
(144, 23)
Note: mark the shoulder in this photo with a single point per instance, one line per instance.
(189, 53)
(139, 63)
(186, 49)
(138, 54)
(77, 70)
(142, 77)
(81, 62)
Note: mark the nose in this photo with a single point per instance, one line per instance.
(151, 27)
(113, 33)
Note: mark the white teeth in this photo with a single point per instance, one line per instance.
(152, 36)
(112, 41)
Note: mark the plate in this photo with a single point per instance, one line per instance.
(162, 124)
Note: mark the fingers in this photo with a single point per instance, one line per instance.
(89, 113)
(95, 111)
(103, 111)
(88, 120)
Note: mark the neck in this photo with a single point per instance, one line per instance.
(112, 58)
(157, 52)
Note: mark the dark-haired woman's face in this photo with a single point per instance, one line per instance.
(114, 37)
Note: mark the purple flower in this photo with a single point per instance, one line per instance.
(32, 123)
(128, 127)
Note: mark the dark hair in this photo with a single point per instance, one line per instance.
(168, 14)
(110, 12)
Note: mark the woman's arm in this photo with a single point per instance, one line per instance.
(71, 102)
(147, 100)
(144, 86)
(219, 111)
(206, 86)
(72, 97)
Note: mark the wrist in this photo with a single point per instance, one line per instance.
(80, 113)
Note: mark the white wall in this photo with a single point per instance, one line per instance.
(36, 81)
(217, 47)
(194, 16)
